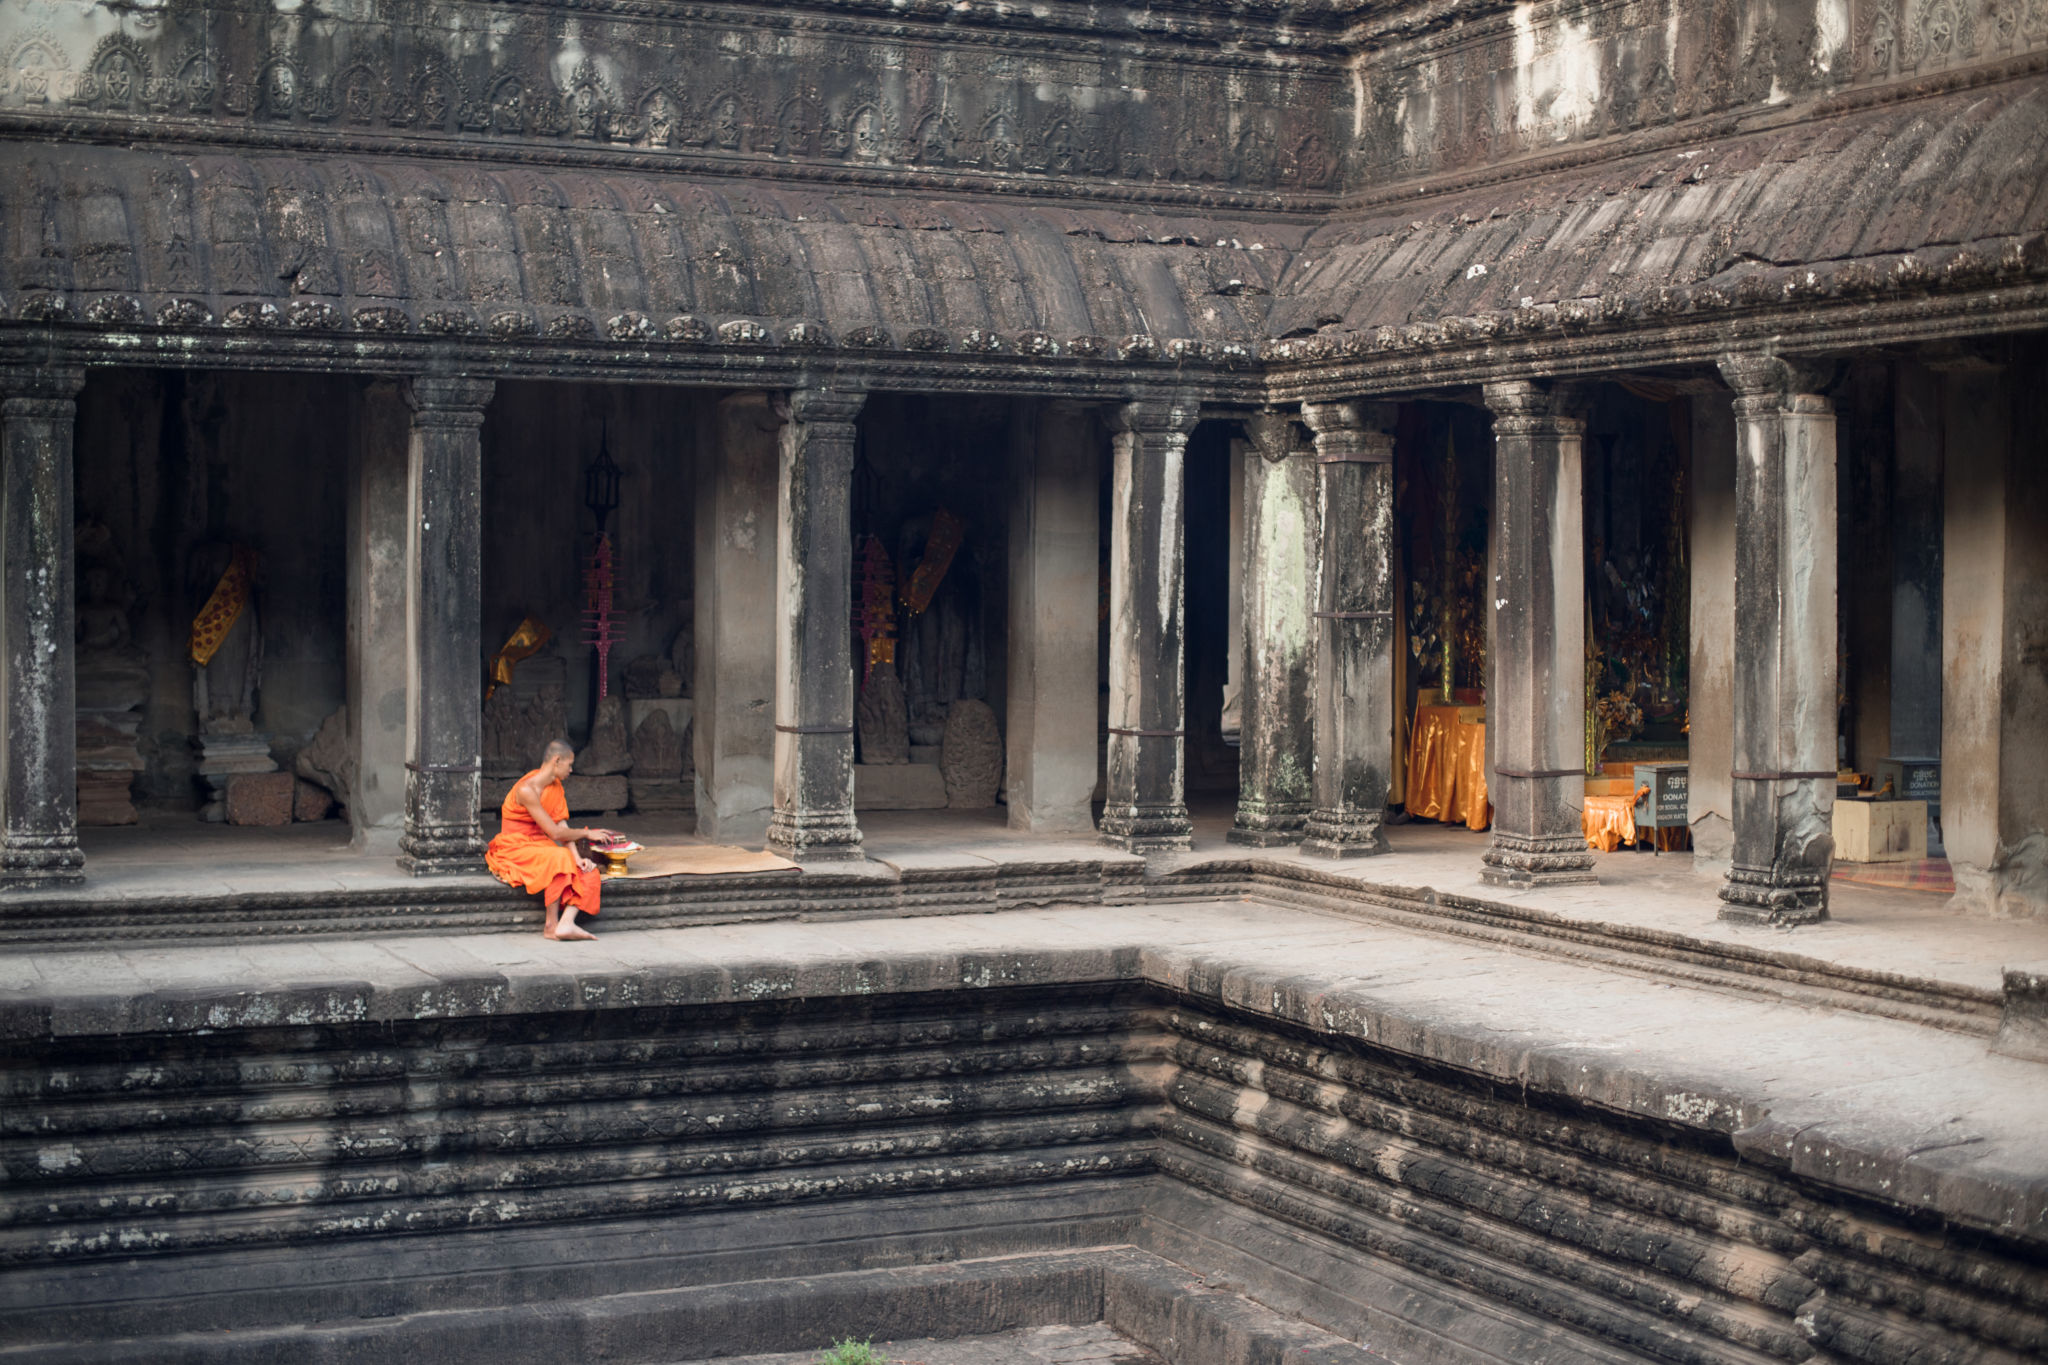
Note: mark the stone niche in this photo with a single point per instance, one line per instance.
(920, 503)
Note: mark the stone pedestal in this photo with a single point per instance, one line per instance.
(1054, 545)
(224, 757)
(735, 620)
(1276, 733)
(1354, 630)
(444, 647)
(1784, 683)
(39, 797)
(813, 818)
(1536, 700)
(1147, 806)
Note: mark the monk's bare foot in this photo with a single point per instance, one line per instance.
(548, 930)
(571, 934)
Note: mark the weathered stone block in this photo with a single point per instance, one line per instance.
(971, 759)
(311, 801)
(587, 795)
(1880, 831)
(261, 798)
(898, 786)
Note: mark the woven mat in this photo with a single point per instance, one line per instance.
(1929, 874)
(698, 860)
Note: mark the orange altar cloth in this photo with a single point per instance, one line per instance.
(1610, 821)
(1447, 766)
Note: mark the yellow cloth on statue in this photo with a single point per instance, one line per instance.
(223, 606)
(1610, 821)
(523, 643)
(1447, 766)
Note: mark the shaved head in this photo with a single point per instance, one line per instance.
(558, 748)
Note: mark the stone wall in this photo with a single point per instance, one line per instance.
(712, 1124)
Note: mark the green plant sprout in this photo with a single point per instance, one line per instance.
(851, 1352)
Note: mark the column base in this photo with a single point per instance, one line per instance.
(1264, 824)
(1148, 829)
(1760, 895)
(444, 851)
(1333, 835)
(1551, 860)
(42, 860)
(816, 837)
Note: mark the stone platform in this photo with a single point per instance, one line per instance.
(1892, 952)
(490, 1147)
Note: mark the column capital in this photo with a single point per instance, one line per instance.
(1350, 432)
(1271, 434)
(1528, 406)
(1175, 416)
(1763, 383)
(448, 399)
(24, 387)
(819, 407)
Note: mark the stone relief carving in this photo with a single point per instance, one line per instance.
(664, 85)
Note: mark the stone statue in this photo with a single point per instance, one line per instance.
(227, 628)
(518, 727)
(224, 687)
(657, 748)
(610, 750)
(881, 719)
(971, 756)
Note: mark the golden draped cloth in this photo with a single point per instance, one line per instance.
(1610, 821)
(939, 548)
(223, 606)
(1447, 766)
(529, 639)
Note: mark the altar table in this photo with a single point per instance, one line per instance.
(1447, 766)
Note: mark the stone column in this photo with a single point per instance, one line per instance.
(443, 615)
(813, 819)
(1994, 708)
(1709, 750)
(38, 603)
(1784, 682)
(1147, 805)
(733, 724)
(1276, 738)
(1354, 630)
(1054, 545)
(1536, 713)
(379, 512)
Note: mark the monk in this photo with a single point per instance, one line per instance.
(536, 848)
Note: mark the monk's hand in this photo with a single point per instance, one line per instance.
(584, 864)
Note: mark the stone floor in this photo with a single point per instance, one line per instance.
(1094, 1344)
(1873, 929)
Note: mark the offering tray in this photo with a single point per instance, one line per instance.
(614, 852)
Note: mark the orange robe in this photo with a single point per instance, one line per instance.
(524, 856)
